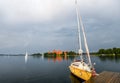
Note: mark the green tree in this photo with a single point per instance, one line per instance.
(109, 51)
(71, 53)
(101, 51)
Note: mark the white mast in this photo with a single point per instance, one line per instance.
(79, 35)
(79, 18)
(85, 42)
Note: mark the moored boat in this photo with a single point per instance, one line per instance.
(81, 68)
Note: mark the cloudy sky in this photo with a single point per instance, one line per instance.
(44, 25)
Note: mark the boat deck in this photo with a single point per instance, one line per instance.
(106, 77)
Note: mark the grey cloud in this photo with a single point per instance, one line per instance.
(101, 20)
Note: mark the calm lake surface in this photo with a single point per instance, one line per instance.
(14, 69)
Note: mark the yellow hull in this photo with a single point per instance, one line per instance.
(85, 75)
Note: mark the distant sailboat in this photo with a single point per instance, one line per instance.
(82, 68)
(26, 57)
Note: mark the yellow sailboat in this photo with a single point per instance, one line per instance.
(81, 68)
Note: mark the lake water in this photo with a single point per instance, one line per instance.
(14, 69)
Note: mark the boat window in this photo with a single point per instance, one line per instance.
(75, 64)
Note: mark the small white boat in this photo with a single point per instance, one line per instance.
(26, 57)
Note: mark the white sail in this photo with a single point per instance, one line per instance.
(26, 57)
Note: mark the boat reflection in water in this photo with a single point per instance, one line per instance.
(75, 79)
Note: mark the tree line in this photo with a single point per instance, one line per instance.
(112, 51)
